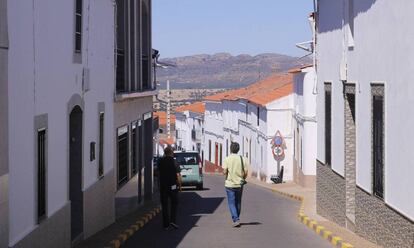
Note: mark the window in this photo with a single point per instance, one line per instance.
(258, 116)
(146, 51)
(221, 154)
(328, 116)
(41, 175)
(101, 145)
(378, 139)
(209, 150)
(123, 152)
(227, 147)
(133, 48)
(92, 153)
(78, 25)
(120, 46)
(135, 146)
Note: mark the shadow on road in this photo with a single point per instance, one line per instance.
(191, 207)
(250, 224)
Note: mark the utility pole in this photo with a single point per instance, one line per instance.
(168, 109)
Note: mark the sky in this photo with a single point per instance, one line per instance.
(188, 27)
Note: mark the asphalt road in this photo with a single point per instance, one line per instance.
(268, 220)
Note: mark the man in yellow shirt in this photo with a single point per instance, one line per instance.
(235, 169)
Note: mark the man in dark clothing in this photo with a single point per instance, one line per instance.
(170, 183)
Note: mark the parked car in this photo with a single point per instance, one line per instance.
(191, 168)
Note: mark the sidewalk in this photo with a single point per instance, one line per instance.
(125, 226)
(309, 206)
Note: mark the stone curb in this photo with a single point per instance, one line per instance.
(336, 241)
(140, 222)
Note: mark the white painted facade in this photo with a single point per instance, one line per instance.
(43, 78)
(372, 46)
(189, 128)
(305, 125)
(213, 129)
(229, 121)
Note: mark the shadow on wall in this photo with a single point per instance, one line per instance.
(332, 12)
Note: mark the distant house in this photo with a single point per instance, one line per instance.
(161, 134)
(190, 127)
(254, 117)
(161, 116)
(364, 110)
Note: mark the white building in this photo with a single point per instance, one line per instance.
(76, 109)
(4, 163)
(304, 126)
(252, 116)
(364, 67)
(189, 127)
(133, 119)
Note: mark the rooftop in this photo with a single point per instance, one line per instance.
(260, 93)
(162, 117)
(197, 107)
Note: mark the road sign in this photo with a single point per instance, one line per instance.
(278, 146)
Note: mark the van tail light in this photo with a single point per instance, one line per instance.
(200, 166)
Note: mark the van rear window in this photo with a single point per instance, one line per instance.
(187, 158)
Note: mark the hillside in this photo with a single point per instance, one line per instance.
(223, 70)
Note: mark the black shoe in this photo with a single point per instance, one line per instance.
(168, 228)
(175, 226)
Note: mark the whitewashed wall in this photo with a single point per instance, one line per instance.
(329, 52)
(279, 117)
(213, 128)
(305, 112)
(48, 75)
(382, 53)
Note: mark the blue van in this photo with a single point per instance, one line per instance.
(191, 168)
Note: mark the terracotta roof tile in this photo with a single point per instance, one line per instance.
(261, 93)
(167, 141)
(162, 118)
(197, 107)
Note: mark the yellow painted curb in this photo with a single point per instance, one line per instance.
(346, 245)
(327, 234)
(335, 240)
(121, 238)
(319, 229)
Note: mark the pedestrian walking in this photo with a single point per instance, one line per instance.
(170, 184)
(235, 169)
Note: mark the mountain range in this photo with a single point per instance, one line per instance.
(223, 70)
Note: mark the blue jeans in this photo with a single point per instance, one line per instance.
(234, 196)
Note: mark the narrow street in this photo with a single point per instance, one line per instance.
(268, 220)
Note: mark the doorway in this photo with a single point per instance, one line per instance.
(75, 173)
(216, 154)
